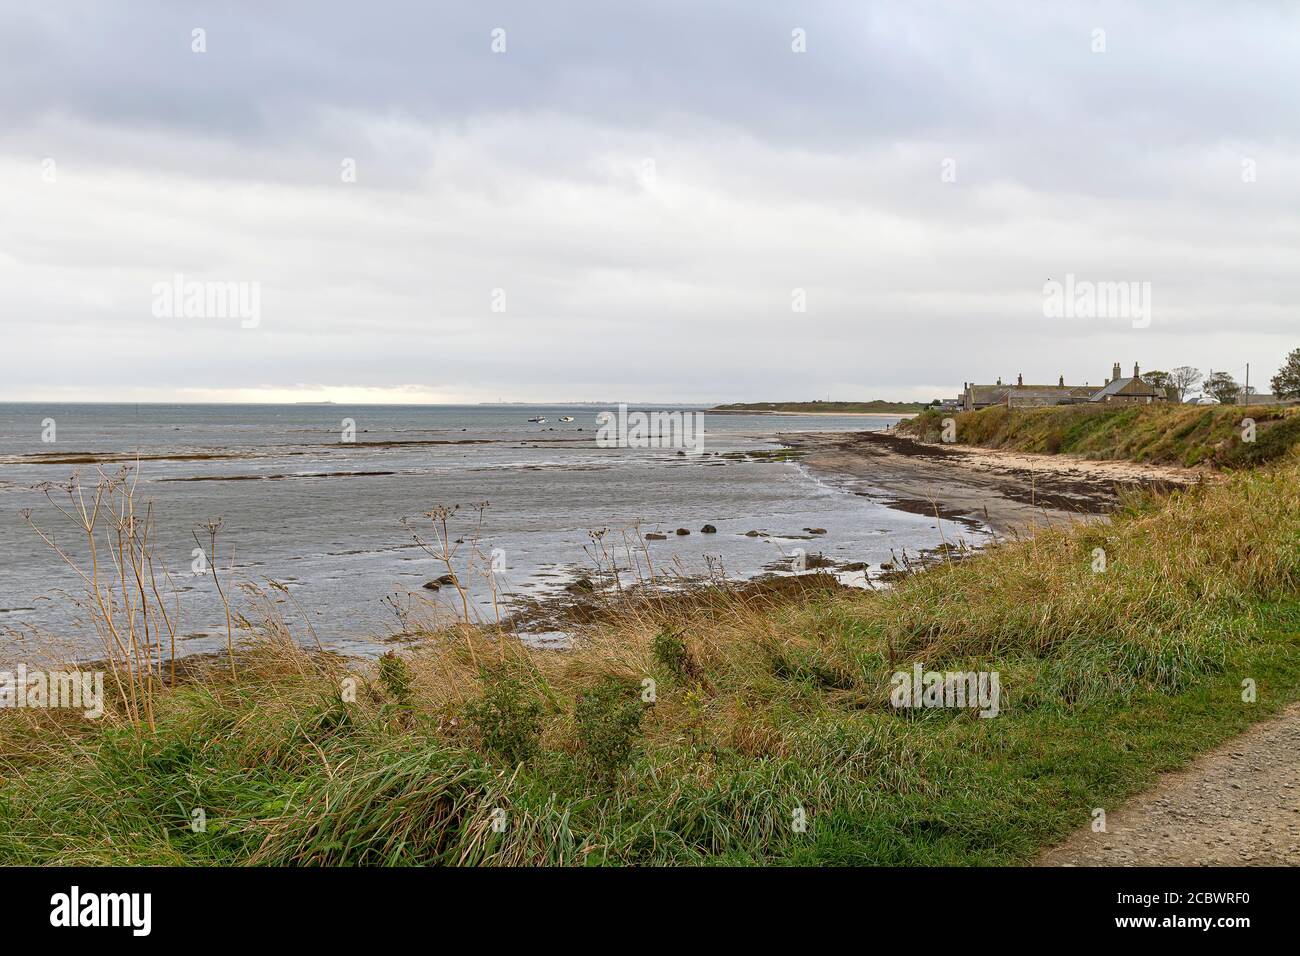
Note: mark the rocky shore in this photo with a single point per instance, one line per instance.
(1005, 491)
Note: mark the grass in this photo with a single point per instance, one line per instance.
(693, 733)
(1185, 435)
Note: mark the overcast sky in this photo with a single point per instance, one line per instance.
(631, 200)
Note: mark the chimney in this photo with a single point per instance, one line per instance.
(1114, 372)
(1136, 373)
(1020, 379)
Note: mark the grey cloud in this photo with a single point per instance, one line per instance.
(524, 171)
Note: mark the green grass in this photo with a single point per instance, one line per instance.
(1185, 435)
(761, 707)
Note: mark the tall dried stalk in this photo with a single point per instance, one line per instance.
(444, 550)
(212, 528)
(120, 573)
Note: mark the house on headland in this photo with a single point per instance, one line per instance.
(1129, 391)
(1116, 390)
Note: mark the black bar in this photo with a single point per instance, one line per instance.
(331, 906)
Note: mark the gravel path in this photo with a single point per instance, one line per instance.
(1238, 805)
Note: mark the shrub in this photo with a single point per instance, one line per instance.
(508, 720)
(671, 653)
(608, 721)
(395, 678)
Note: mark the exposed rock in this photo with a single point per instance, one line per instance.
(655, 536)
(815, 530)
(682, 531)
(752, 534)
(708, 529)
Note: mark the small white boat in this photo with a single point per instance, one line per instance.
(538, 421)
(566, 418)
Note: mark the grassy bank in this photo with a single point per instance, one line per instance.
(1186, 435)
(764, 706)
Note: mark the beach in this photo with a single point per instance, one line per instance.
(332, 521)
(1008, 492)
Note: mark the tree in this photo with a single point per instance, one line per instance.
(1183, 379)
(1160, 380)
(1222, 388)
(1286, 383)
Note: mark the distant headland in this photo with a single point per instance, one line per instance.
(876, 407)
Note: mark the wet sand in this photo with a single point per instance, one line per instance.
(1005, 491)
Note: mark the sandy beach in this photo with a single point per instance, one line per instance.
(1005, 491)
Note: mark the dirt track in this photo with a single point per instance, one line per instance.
(1238, 805)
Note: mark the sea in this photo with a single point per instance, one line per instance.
(319, 507)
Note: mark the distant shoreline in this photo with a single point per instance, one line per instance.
(732, 411)
(877, 408)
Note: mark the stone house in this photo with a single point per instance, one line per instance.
(1116, 390)
(1128, 391)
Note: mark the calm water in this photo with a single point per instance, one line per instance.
(324, 517)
